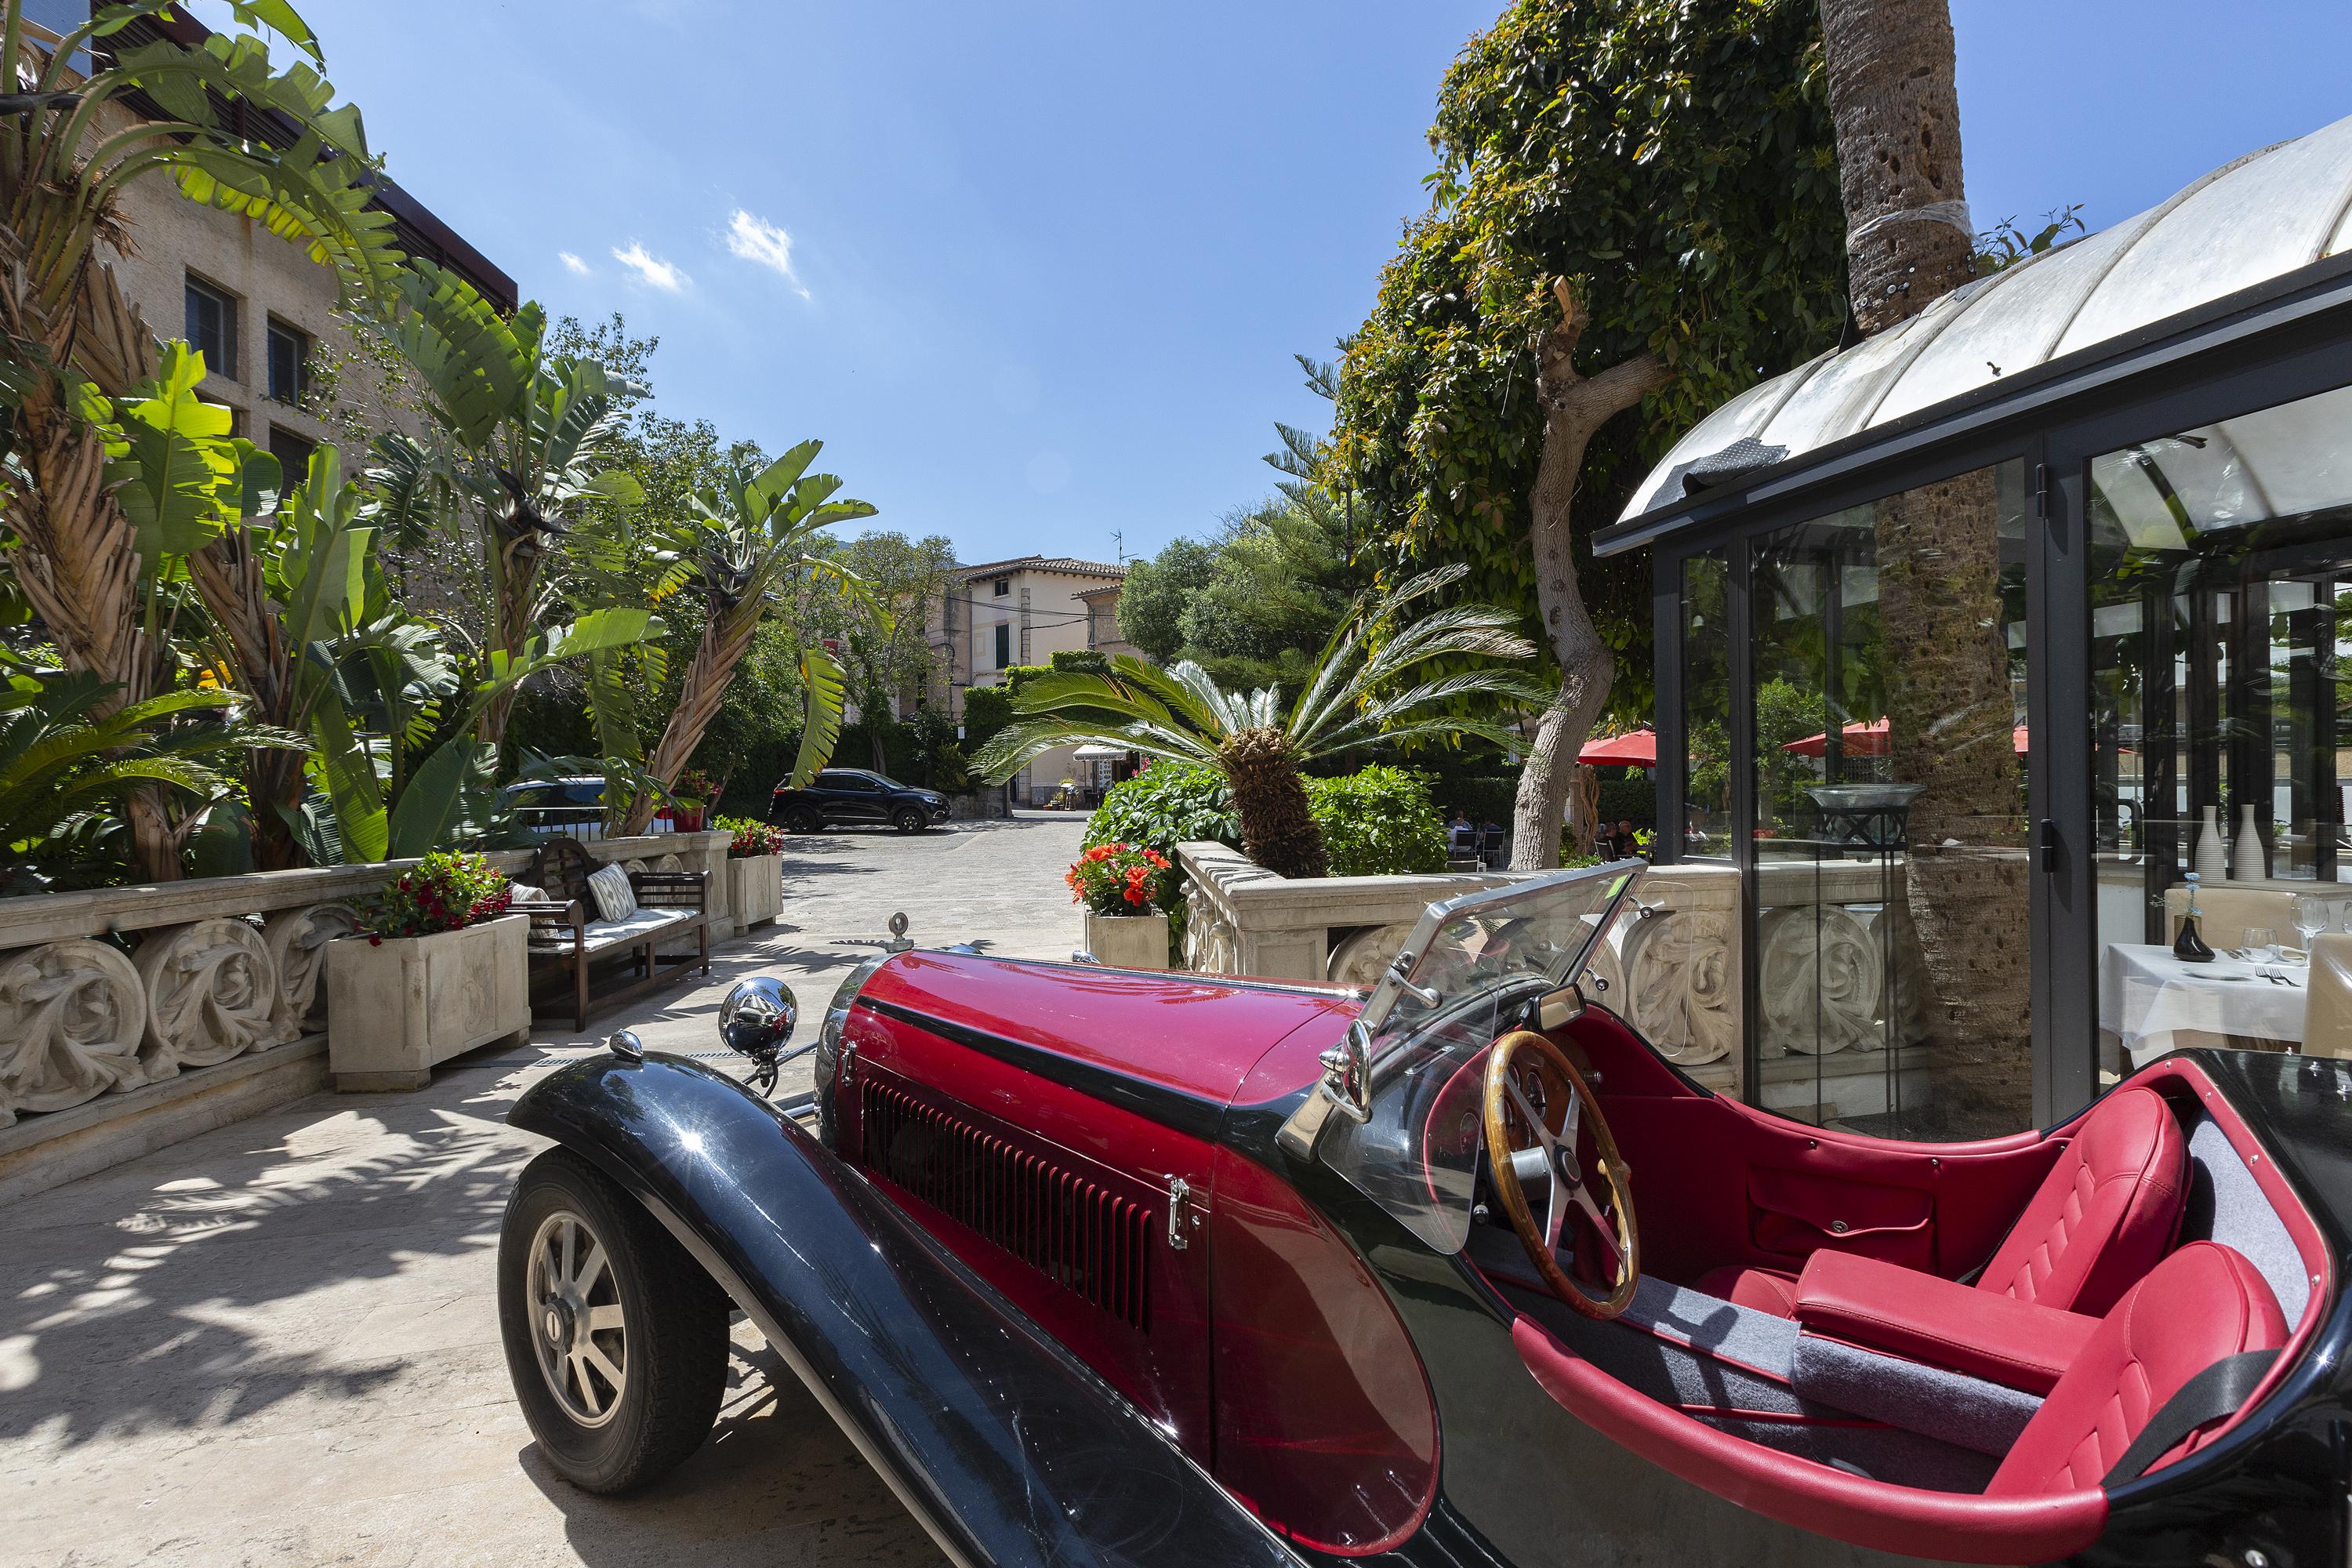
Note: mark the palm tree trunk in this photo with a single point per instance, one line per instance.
(726, 638)
(1575, 408)
(1278, 827)
(1895, 104)
(227, 575)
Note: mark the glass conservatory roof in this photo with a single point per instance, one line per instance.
(2264, 216)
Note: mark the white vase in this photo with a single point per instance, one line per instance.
(2249, 863)
(2211, 861)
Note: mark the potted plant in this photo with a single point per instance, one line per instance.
(695, 792)
(1126, 889)
(755, 871)
(437, 968)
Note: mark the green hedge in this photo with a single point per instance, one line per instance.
(1378, 821)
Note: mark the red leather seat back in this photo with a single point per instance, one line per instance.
(2106, 1213)
(2203, 1303)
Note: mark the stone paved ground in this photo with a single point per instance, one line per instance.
(276, 1344)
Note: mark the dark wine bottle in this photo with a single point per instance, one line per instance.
(2189, 946)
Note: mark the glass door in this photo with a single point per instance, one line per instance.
(2220, 585)
(1889, 819)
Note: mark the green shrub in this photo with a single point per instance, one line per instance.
(1164, 806)
(1378, 821)
(986, 710)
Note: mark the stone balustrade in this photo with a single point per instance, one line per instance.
(117, 988)
(1829, 937)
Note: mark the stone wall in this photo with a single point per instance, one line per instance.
(112, 990)
(1670, 965)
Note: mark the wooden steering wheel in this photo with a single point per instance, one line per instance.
(1539, 1119)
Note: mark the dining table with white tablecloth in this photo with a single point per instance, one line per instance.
(2146, 996)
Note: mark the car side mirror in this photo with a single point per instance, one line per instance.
(756, 1020)
(1559, 1008)
(1348, 1072)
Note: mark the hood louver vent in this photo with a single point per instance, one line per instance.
(1075, 1232)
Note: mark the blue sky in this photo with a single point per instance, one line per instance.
(1035, 272)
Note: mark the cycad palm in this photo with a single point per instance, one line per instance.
(1352, 699)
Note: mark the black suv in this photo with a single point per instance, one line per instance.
(852, 794)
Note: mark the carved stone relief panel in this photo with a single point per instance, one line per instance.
(1819, 979)
(1359, 957)
(1678, 985)
(212, 994)
(298, 941)
(73, 1016)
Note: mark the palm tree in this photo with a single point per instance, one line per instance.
(746, 535)
(1181, 715)
(64, 322)
(521, 441)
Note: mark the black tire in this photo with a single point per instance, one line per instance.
(909, 819)
(804, 819)
(670, 1345)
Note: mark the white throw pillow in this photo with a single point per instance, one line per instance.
(615, 900)
(524, 893)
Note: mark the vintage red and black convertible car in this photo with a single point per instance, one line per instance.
(1109, 1267)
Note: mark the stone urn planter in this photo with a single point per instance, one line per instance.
(397, 1006)
(1129, 942)
(756, 889)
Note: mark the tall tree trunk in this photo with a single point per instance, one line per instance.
(75, 554)
(726, 638)
(1897, 107)
(227, 575)
(1909, 241)
(1575, 408)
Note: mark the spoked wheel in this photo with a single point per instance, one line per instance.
(579, 1328)
(1549, 1145)
(803, 820)
(615, 1339)
(909, 820)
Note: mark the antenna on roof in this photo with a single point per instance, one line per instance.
(1119, 542)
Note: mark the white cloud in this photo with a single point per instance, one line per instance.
(651, 269)
(572, 263)
(755, 239)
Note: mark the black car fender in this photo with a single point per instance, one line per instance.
(1005, 1447)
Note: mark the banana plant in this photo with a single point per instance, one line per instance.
(67, 152)
(742, 538)
(520, 441)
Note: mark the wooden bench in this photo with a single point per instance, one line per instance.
(568, 934)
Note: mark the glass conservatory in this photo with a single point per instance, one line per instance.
(1980, 636)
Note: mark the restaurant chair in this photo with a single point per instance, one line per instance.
(2225, 912)
(2327, 1001)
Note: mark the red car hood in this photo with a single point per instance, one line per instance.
(1199, 1034)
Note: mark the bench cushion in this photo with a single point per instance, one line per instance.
(603, 934)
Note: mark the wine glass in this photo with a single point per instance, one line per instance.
(2259, 944)
(2311, 913)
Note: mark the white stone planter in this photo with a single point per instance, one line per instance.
(395, 1008)
(755, 890)
(1129, 942)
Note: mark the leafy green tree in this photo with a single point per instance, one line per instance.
(1635, 203)
(1152, 599)
(1179, 714)
(66, 330)
(884, 631)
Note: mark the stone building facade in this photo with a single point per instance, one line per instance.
(1023, 611)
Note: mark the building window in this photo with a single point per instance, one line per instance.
(1004, 645)
(212, 327)
(289, 364)
(293, 454)
(1000, 587)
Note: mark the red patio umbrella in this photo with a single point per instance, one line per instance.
(1637, 750)
(1870, 741)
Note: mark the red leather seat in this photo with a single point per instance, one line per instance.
(2098, 1224)
(2199, 1305)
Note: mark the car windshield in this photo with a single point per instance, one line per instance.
(1470, 965)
